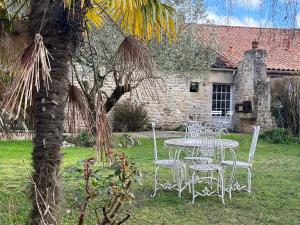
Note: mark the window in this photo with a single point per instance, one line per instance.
(194, 86)
(221, 98)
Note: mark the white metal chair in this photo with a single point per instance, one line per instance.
(226, 120)
(183, 118)
(245, 165)
(202, 130)
(177, 166)
(207, 159)
(216, 116)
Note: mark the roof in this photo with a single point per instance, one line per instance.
(282, 46)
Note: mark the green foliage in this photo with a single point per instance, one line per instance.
(129, 116)
(285, 103)
(125, 141)
(108, 188)
(278, 136)
(186, 55)
(83, 139)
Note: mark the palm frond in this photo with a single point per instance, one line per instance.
(78, 110)
(134, 59)
(11, 45)
(31, 70)
(144, 18)
(103, 132)
(134, 52)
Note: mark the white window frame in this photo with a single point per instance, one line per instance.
(216, 100)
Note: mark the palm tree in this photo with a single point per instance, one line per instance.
(60, 25)
(48, 109)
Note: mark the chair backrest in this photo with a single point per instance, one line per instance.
(154, 141)
(228, 117)
(216, 113)
(194, 130)
(216, 116)
(201, 130)
(207, 152)
(229, 114)
(253, 143)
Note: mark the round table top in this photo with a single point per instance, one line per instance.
(197, 142)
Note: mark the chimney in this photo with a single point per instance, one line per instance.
(255, 44)
(252, 87)
(231, 49)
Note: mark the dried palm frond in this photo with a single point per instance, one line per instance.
(78, 109)
(103, 132)
(11, 45)
(136, 66)
(134, 52)
(31, 70)
(2, 126)
(2, 87)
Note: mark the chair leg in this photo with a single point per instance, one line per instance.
(155, 181)
(230, 189)
(193, 187)
(179, 180)
(174, 170)
(222, 186)
(231, 181)
(186, 178)
(249, 181)
(218, 185)
(211, 175)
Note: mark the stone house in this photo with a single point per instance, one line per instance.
(248, 59)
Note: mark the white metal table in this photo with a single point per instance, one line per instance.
(178, 145)
(190, 143)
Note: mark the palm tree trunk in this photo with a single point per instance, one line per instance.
(49, 110)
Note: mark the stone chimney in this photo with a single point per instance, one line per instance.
(252, 91)
(255, 44)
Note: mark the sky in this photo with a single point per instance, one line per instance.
(254, 13)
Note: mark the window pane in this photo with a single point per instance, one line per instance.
(223, 104)
(214, 105)
(228, 96)
(214, 96)
(228, 88)
(227, 104)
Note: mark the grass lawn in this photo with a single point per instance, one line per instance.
(275, 198)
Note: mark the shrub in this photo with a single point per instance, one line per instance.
(285, 103)
(84, 139)
(125, 141)
(278, 136)
(128, 116)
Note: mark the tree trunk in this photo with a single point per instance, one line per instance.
(49, 110)
(118, 92)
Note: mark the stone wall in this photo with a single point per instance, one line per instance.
(171, 102)
(174, 102)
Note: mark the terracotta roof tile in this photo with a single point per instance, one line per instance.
(282, 45)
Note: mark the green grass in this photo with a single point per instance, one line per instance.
(275, 198)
